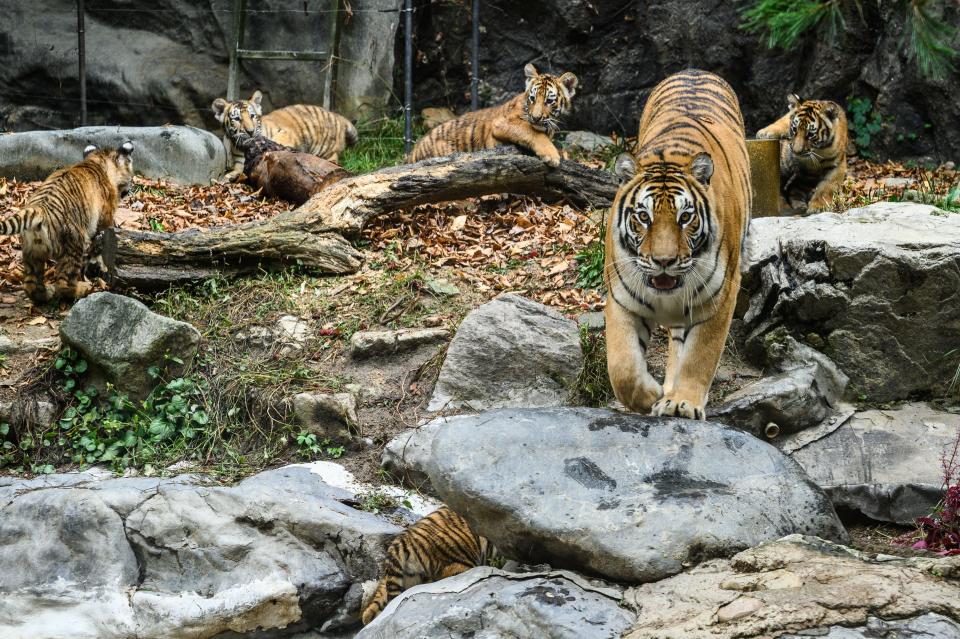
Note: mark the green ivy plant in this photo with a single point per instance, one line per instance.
(864, 123)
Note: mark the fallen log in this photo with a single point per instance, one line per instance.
(312, 235)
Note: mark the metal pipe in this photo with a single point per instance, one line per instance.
(407, 75)
(475, 58)
(82, 59)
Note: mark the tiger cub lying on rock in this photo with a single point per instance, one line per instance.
(529, 120)
(675, 233)
(302, 127)
(813, 151)
(64, 214)
(438, 546)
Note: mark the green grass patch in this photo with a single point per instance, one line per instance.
(590, 262)
(380, 144)
(593, 386)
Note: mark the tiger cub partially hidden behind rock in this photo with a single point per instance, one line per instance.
(529, 120)
(64, 214)
(302, 127)
(438, 546)
(813, 151)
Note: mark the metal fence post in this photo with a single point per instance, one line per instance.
(475, 57)
(82, 60)
(407, 75)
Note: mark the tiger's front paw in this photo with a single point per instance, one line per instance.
(673, 406)
(551, 160)
(767, 134)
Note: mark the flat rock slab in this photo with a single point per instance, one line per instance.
(928, 626)
(180, 153)
(510, 352)
(86, 556)
(490, 603)
(870, 284)
(885, 463)
(628, 497)
(800, 585)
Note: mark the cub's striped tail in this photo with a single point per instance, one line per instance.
(22, 221)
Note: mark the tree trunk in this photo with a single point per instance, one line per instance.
(312, 236)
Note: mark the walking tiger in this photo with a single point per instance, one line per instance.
(675, 233)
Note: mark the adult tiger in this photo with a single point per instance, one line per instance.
(674, 238)
(64, 214)
(438, 546)
(529, 120)
(302, 127)
(813, 151)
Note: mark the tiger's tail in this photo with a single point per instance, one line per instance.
(377, 602)
(22, 221)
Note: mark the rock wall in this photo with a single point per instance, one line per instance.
(620, 50)
(166, 61)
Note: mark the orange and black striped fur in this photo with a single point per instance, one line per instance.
(302, 127)
(64, 214)
(675, 234)
(813, 151)
(438, 546)
(529, 120)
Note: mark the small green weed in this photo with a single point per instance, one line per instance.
(593, 386)
(309, 447)
(590, 263)
(376, 502)
(864, 123)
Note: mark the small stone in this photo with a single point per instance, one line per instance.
(293, 331)
(898, 182)
(371, 343)
(740, 607)
(331, 416)
(587, 140)
(593, 321)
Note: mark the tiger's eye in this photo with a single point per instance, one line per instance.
(644, 217)
(685, 217)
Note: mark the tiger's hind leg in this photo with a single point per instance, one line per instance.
(33, 284)
(627, 338)
(67, 276)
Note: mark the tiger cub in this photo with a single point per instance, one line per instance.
(529, 120)
(302, 127)
(675, 233)
(61, 218)
(813, 151)
(438, 546)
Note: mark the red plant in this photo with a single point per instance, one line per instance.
(940, 531)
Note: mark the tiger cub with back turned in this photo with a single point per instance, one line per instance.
(438, 546)
(302, 127)
(61, 218)
(675, 233)
(529, 120)
(813, 151)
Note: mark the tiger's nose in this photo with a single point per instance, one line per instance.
(665, 261)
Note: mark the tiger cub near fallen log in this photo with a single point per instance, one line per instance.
(302, 127)
(529, 120)
(813, 151)
(438, 546)
(674, 239)
(61, 218)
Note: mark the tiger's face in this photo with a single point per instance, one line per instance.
(548, 98)
(812, 125)
(242, 116)
(662, 217)
(118, 163)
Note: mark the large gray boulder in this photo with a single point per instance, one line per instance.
(180, 153)
(799, 586)
(885, 464)
(121, 339)
(926, 626)
(487, 603)
(86, 556)
(510, 352)
(875, 286)
(628, 497)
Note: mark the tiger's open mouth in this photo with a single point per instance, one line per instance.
(663, 282)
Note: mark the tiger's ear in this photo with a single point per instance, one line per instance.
(90, 149)
(570, 83)
(219, 106)
(625, 167)
(701, 167)
(256, 98)
(793, 101)
(126, 148)
(530, 72)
